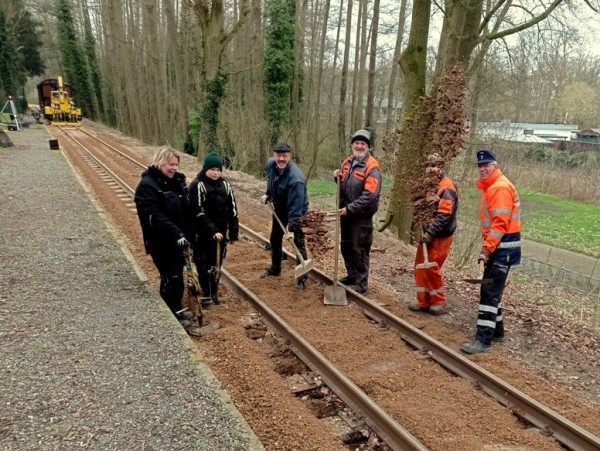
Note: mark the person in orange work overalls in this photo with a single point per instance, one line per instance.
(437, 234)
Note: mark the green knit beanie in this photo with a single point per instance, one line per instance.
(212, 160)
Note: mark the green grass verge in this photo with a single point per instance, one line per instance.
(565, 224)
(547, 219)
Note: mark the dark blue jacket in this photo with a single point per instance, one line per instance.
(288, 192)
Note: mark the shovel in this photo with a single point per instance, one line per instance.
(426, 263)
(480, 280)
(305, 266)
(335, 294)
(200, 328)
(215, 273)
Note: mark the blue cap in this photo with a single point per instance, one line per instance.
(485, 156)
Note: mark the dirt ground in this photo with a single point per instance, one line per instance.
(551, 357)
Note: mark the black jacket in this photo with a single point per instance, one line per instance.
(163, 210)
(213, 207)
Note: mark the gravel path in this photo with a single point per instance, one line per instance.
(90, 356)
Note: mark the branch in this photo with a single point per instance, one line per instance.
(521, 27)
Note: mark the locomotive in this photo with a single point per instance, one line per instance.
(56, 102)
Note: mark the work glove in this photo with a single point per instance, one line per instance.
(182, 242)
(290, 229)
(265, 198)
(484, 256)
(426, 237)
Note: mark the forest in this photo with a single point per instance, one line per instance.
(236, 76)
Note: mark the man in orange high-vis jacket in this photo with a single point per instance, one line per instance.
(360, 187)
(437, 234)
(500, 220)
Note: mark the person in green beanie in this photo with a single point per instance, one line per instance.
(216, 223)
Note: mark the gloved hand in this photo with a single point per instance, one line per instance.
(182, 242)
(484, 256)
(289, 231)
(265, 198)
(426, 237)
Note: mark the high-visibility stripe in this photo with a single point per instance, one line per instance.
(500, 211)
(485, 323)
(496, 234)
(488, 308)
(509, 244)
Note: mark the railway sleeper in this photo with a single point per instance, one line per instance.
(320, 400)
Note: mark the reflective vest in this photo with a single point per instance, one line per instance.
(500, 218)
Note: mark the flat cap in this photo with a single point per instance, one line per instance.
(281, 148)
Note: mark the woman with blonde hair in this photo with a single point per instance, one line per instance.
(163, 210)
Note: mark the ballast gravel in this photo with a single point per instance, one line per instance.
(90, 357)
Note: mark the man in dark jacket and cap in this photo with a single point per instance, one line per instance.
(360, 187)
(286, 189)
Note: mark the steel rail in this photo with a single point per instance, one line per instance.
(128, 189)
(127, 157)
(372, 414)
(550, 422)
(547, 420)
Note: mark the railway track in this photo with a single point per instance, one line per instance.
(385, 425)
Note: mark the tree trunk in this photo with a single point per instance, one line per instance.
(344, 83)
(413, 63)
(391, 104)
(369, 121)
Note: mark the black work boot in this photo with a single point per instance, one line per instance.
(271, 272)
(348, 280)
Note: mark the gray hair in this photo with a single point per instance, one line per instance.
(163, 155)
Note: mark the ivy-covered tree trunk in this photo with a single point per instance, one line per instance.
(278, 68)
(90, 52)
(75, 64)
(214, 41)
(413, 63)
(9, 62)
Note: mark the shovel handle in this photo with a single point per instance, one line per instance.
(287, 234)
(425, 254)
(481, 268)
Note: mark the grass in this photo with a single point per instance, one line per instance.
(562, 223)
(547, 219)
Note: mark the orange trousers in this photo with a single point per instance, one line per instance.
(428, 281)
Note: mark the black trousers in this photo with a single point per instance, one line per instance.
(276, 240)
(205, 258)
(170, 266)
(355, 243)
(490, 323)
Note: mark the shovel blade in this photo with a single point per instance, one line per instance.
(479, 281)
(201, 331)
(335, 295)
(302, 269)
